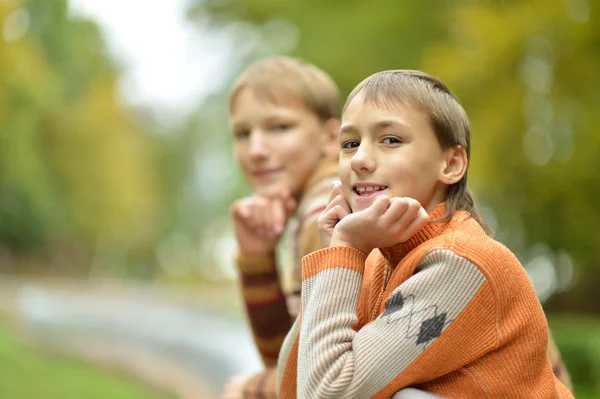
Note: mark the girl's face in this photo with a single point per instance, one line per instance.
(277, 145)
(390, 149)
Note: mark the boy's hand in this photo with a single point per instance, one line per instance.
(337, 209)
(259, 222)
(385, 223)
(234, 389)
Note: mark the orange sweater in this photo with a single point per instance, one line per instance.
(450, 311)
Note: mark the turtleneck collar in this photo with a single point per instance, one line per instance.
(396, 252)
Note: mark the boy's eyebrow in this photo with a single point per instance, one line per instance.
(347, 128)
(377, 126)
(384, 124)
(275, 117)
(237, 126)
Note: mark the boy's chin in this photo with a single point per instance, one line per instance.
(270, 190)
(273, 190)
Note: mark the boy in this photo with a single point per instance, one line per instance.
(439, 304)
(284, 114)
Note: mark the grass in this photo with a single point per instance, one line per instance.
(27, 373)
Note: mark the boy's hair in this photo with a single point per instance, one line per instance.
(448, 119)
(278, 79)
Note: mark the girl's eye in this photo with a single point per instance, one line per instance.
(392, 140)
(244, 134)
(350, 144)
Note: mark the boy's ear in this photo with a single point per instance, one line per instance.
(455, 165)
(331, 146)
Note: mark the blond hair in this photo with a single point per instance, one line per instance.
(447, 116)
(278, 79)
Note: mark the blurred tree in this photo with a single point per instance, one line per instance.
(349, 39)
(73, 163)
(527, 75)
(201, 181)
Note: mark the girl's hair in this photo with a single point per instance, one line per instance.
(448, 119)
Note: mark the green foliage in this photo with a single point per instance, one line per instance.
(349, 39)
(73, 163)
(578, 339)
(525, 73)
(80, 172)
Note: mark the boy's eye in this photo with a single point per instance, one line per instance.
(350, 144)
(281, 127)
(242, 134)
(391, 140)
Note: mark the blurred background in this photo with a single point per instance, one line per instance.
(116, 171)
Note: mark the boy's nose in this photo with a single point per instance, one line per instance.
(363, 160)
(258, 145)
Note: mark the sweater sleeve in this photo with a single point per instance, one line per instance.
(426, 322)
(263, 385)
(265, 304)
(307, 238)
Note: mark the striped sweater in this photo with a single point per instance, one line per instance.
(271, 307)
(450, 311)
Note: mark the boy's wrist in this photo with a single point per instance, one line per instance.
(337, 241)
(256, 253)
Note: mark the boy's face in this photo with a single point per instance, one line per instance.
(278, 145)
(389, 149)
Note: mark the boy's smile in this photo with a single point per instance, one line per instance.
(267, 175)
(367, 191)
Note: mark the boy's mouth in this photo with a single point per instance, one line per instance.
(367, 191)
(265, 175)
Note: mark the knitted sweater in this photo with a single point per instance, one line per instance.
(271, 309)
(450, 311)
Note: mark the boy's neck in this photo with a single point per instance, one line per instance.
(439, 197)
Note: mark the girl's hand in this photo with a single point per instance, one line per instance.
(385, 223)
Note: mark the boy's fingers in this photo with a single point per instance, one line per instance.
(418, 222)
(289, 203)
(335, 190)
(413, 220)
(332, 203)
(330, 218)
(258, 217)
(285, 194)
(240, 210)
(397, 207)
(290, 206)
(344, 203)
(267, 216)
(412, 208)
(340, 212)
(278, 216)
(251, 220)
(378, 207)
